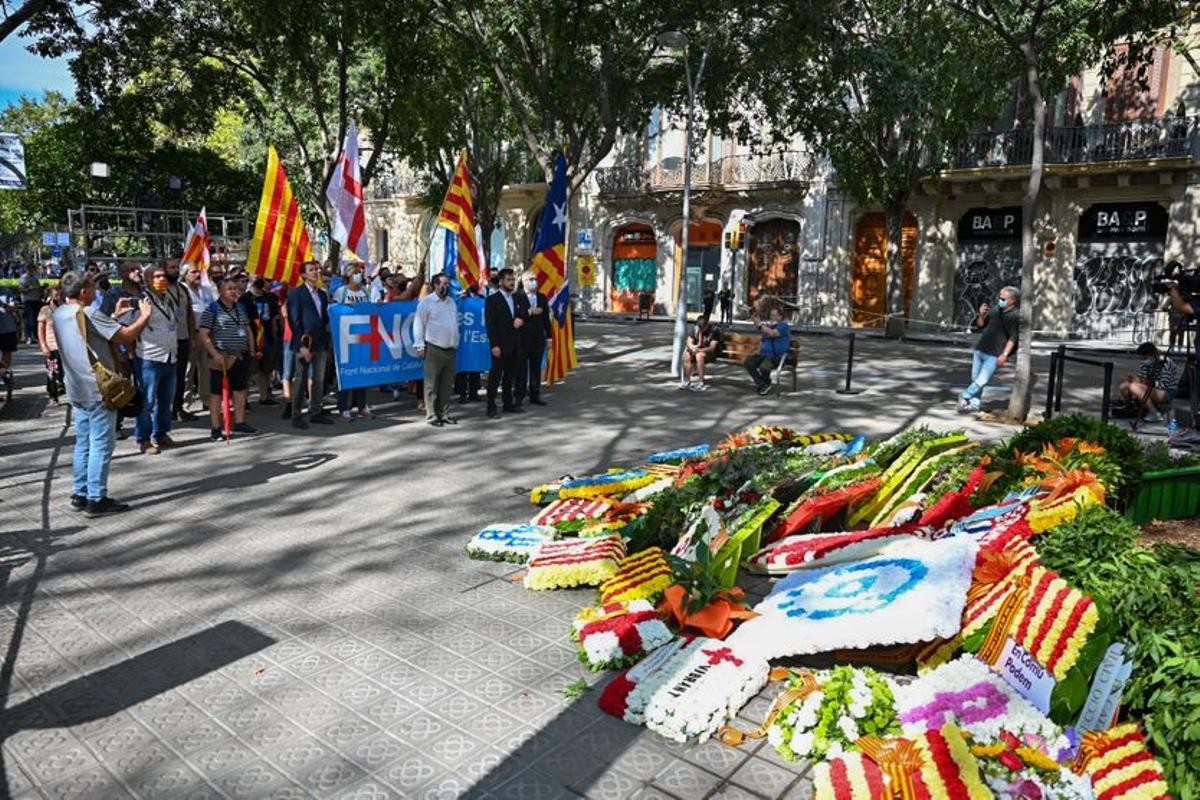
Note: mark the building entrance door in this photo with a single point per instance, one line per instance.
(774, 255)
(868, 287)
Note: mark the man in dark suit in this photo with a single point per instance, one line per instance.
(505, 313)
(308, 315)
(533, 339)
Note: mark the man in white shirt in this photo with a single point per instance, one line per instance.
(200, 297)
(435, 338)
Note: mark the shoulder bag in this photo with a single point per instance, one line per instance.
(117, 390)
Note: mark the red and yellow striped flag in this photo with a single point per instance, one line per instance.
(196, 249)
(458, 217)
(280, 243)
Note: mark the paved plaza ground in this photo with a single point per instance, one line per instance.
(292, 615)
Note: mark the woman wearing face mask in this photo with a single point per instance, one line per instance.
(352, 403)
(49, 345)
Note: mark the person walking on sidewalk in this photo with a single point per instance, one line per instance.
(1000, 327)
(435, 339)
(32, 293)
(95, 423)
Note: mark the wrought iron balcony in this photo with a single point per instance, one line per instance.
(728, 172)
(1169, 137)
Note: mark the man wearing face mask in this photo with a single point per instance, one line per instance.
(352, 403)
(1000, 327)
(435, 339)
(533, 339)
(505, 314)
(154, 366)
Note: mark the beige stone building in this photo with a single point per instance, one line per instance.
(1120, 198)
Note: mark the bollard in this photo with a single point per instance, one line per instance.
(1054, 367)
(849, 369)
(1107, 394)
(1062, 369)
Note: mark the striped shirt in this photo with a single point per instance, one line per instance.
(1164, 371)
(227, 327)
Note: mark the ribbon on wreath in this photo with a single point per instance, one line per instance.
(1014, 754)
(1006, 617)
(715, 620)
(898, 759)
(734, 737)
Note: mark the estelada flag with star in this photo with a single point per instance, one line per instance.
(280, 244)
(550, 266)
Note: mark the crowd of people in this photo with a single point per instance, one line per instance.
(149, 343)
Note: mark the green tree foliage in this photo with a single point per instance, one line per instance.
(300, 69)
(573, 75)
(884, 87)
(1049, 40)
(63, 138)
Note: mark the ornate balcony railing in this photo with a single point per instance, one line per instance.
(1168, 137)
(788, 167)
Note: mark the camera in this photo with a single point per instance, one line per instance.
(1188, 280)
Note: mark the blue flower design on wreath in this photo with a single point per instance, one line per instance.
(852, 589)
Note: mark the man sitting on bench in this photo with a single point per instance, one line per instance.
(776, 336)
(703, 346)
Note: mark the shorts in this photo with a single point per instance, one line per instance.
(288, 368)
(239, 376)
(8, 342)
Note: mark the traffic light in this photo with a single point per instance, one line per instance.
(736, 238)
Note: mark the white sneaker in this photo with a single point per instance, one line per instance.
(1152, 416)
(365, 413)
(683, 385)
(347, 416)
(699, 387)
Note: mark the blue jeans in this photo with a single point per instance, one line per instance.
(352, 398)
(95, 437)
(983, 367)
(157, 382)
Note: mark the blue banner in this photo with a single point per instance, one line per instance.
(373, 342)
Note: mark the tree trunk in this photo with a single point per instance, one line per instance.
(896, 312)
(1018, 407)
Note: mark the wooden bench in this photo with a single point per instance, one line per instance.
(737, 347)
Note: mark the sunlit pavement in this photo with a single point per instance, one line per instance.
(292, 615)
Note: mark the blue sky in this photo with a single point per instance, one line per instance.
(21, 72)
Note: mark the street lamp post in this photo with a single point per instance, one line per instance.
(677, 40)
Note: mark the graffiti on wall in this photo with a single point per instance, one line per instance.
(983, 270)
(1120, 247)
(1113, 298)
(989, 258)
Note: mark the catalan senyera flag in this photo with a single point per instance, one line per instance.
(550, 266)
(457, 219)
(280, 243)
(197, 249)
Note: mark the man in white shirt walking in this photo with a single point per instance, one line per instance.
(435, 338)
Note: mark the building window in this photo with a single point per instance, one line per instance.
(496, 246)
(381, 248)
(653, 134)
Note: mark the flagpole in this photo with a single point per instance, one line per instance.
(429, 243)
